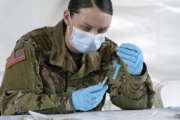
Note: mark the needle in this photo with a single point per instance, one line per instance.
(105, 80)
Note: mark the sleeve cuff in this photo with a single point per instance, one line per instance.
(144, 74)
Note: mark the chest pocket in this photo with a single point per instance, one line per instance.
(53, 78)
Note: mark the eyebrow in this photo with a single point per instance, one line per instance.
(102, 28)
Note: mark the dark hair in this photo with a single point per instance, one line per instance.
(104, 5)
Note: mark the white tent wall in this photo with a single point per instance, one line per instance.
(151, 24)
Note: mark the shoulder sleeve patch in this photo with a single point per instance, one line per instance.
(15, 58)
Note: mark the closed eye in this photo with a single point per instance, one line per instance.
(102, 30)
(85, 28)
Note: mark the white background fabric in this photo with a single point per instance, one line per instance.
(153, 25)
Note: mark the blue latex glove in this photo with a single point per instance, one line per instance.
(132, 57)
(88, 98)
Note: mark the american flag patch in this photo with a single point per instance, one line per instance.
(15, 58)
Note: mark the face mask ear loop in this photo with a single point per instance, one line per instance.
(70, 27)
(71, 24)
(69, 33)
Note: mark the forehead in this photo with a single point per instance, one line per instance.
(92, 16)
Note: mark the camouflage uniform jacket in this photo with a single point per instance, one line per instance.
(41, 74)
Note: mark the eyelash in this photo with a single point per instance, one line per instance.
(88, 29)
(101, 31)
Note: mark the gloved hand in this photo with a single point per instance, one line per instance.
(132, 57)
(88, 98)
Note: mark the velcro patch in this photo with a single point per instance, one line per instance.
(15, 58)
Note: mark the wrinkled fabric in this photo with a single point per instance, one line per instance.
(45, 81)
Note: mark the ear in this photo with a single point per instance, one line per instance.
(67, 17)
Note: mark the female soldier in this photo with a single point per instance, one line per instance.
(70, 67)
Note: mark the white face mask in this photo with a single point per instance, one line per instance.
(85, 42)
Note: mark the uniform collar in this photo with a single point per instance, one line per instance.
(61, 57)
